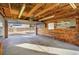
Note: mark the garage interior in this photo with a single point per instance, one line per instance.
(39, 28)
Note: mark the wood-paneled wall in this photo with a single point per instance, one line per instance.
(66, 35)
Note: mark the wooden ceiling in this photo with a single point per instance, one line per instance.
(40, 12)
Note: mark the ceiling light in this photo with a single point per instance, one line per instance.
(22, 10)
(47, 18)
(73, 5)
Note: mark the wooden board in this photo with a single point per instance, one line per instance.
(1, 48)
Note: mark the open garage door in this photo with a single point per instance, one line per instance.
(20, 27)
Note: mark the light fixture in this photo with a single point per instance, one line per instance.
(73, 5)
(22, 10)
(47, 18)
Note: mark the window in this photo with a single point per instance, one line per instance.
(51, 26)
(66, 24)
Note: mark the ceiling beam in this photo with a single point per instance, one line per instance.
(37, 6)
(60, 18)
(45, 10)
(1, 12)
(62, 11)
(10, 9)
(13, 11)
(60, 15)
(66, 15)
(55, 11)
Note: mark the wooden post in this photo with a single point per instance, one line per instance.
(36, 29)
(46, 25)
(5, 29)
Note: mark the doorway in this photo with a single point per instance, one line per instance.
(20, 27)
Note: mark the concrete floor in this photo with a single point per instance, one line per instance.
(37, 45)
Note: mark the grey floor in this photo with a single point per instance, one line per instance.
(10, 43)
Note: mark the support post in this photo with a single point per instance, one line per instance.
(5, 29)
(36, 30)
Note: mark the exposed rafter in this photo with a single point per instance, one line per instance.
(14, 11)
(66, 15)
(47, 18)
(37, 6)
(43, 11)
(1, 12)
(62, 17)
(10, 9)
(55, 11)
